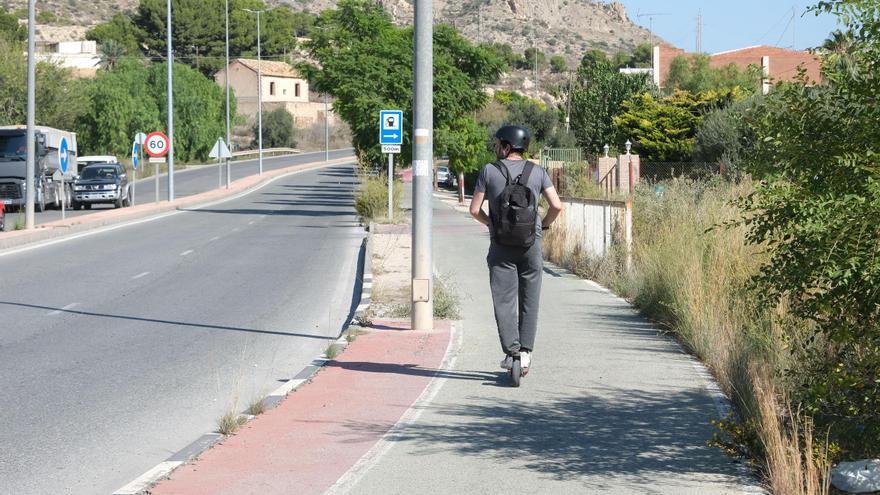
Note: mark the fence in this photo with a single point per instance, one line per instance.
(658, 171)
(597, 225)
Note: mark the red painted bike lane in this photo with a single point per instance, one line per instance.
(320, 431)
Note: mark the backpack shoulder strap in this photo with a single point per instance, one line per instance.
(527, 171)
(503, 169)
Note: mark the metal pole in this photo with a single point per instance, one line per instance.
(228, 128)
(260, 94)
(170, 59)
(30, 192)
(63, 199)
(134, 183)
(326, 130)
(390, 187)
(422, 262)
(156, 175)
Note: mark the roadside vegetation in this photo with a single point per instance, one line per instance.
(371, 200)
(770, 273)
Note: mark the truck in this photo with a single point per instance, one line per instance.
(47, 173)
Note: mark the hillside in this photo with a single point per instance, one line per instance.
(557, 27)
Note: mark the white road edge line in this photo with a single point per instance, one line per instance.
(59, 311)
(145, 480)
(101, 230)
(187, 252)
(348, 480)
(140, 275)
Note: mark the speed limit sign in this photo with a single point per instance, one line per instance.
(156, 144)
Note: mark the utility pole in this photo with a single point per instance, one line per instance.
(228, 127)
(480, 21)
(326, 130)
(700, 31)
(568, 104)
(30, 167)
(170, 59)
(259, 90)
(423, 151)
(651, 17)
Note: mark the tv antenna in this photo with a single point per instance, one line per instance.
(651, 17)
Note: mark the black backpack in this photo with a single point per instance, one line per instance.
(515, 216)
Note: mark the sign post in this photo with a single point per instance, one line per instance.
(156, 145)
(220, 152)
(63, 161)
(391, 138)
(136, 147)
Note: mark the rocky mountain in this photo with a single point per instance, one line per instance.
(556, 27)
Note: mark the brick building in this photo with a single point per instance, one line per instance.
(778, 64)
(283, 87)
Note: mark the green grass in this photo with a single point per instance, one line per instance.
(331, 351)
(257, 407)
(230, 423)
(371, 200)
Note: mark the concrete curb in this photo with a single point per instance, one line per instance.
(164, 469)
(63, 228)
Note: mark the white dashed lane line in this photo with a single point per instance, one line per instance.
(140, 275)
(216, 238)
(65, 308)
(187, 252)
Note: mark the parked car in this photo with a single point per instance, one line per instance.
(445, 177)
(102, 183)
(2, 216)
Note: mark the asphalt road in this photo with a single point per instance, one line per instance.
(190, 181)
(119, 348)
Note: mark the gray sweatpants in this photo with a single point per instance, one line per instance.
(515, 280)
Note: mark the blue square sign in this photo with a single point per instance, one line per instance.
(391, 127)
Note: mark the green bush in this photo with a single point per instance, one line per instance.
(278, 131)
(815, 213)
(371, 200)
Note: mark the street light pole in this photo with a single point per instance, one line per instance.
(228, 128)
(326, 130)
(170, 59)
(423, 117)
(30, 167)
(259, 90)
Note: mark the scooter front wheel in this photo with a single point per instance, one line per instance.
(516, 373)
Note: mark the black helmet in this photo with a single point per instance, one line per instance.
(517, 137)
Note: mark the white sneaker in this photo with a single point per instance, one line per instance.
(507, 363)
(525, 359)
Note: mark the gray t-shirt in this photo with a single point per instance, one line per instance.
(492, 182)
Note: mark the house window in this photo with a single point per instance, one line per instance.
(272, 88)
(296, 90)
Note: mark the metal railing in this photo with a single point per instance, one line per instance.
(236, 155)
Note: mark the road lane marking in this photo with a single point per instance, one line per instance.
(65, 308)
(101, 230)
(140, 275)
(251, 222)
(187, 252)
(215, 238)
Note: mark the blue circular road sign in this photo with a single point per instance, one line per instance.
(134, 155)
(63, 155)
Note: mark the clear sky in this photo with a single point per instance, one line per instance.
(730, 24)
